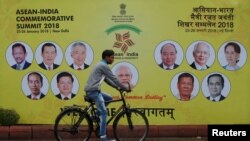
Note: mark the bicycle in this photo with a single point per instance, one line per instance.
(78, 122)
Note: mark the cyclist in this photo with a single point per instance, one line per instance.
(101, 72)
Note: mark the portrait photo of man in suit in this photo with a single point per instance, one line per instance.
(78, 54)
(168, 56)
(48, 53)
(65, 82)
(35, 83)
(19, 54)
(201, 54)
(185, 86)
(215, 83)
(125, 75)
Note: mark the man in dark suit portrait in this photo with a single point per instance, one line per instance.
(19, 54)
(185, 86)
(168, 56)
(35, 83)
(49, 54)
(201, 54)
(215, 85)
(65, 84)
(125, 75)
(78, 54)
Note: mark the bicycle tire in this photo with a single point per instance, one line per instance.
(138, 130)
(66, 128)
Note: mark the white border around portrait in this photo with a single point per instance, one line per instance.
(26, 89)
(55, 89)
(89, 54)
(9, 58)
(190, 57)
(174, 88)
(222, 58)
(59, 55)
(157, 53)
(225, 91)
(135, 73)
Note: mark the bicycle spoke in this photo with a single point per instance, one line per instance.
(70, 126)
(132, 126)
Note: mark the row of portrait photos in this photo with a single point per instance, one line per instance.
(184, 85)
(168, 55)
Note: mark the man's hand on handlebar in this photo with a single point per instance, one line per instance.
(127, 88)
(124, 90)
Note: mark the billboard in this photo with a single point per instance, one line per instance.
(188, 63)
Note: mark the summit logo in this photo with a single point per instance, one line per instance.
(124, 34)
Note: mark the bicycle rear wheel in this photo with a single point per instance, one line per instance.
(130, 124)
(73, 125)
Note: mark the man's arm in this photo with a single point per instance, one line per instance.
(112, 80)
(110, 83)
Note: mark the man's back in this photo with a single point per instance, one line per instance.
(96, 77)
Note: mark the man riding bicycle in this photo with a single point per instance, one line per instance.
(101, 72)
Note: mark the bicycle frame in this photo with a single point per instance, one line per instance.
(90, 108)
(123, 106)
(88, 113)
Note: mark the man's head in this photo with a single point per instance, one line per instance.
(19, 52)
(215, 84)
(201, 53)
(78, 53)
(65, 83)
(124, 74)
(168, 54)
(35, 82)
(185, 85)
(108, 56)
(49, 53)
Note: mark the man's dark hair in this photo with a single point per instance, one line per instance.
(217, 75)
(19, 45)
(64, 74)
(48, 44)
(186, 75)
(37, 74)
(107, 53)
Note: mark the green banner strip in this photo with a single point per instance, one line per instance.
(123, 26)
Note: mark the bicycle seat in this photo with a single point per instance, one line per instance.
(86, 98)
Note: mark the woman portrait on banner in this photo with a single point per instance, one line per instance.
(232, 54)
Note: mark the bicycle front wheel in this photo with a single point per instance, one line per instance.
(72, 125)
(130, 124)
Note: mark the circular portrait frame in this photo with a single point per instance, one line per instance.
(11, 61)
(55, 89)
(89, 53)
(157, 52)
(135, 77)
(190, 57)
(174, 87)
(25, 88)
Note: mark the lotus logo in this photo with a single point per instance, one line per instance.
(123, 41)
